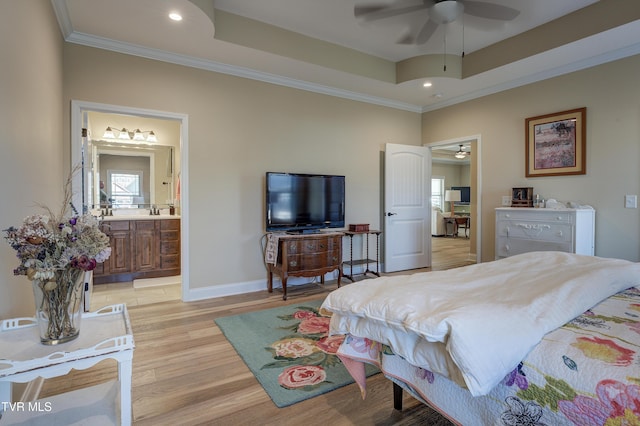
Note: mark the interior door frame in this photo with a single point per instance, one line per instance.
(478, 158)
(78, 113)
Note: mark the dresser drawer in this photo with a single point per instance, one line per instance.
(540, 231)
(313, 245)
(506, 247)
(536, 215)
(303, 262)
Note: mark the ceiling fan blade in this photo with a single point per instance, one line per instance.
(483, 9)
(374, 13)
(426, 32)
(406, 39)
(362, 11)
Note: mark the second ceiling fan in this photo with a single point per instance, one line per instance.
(439, 12)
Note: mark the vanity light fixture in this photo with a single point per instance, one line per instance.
(152, 137)
(127, 135)
(124, 135)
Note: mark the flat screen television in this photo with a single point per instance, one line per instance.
(465, 195)
(304, 202)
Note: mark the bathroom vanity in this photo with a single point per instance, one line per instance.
(141, 247)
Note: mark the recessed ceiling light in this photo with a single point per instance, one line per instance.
(427, 84)
(175, 16)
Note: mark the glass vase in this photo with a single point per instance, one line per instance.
(59, 302)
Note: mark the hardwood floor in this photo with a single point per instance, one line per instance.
(185, 372)
(450, 253)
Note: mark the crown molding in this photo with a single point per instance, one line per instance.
(602, 58)
(208, 65)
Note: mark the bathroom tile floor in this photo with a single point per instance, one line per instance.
(114, 293)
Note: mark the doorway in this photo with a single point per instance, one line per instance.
(81, 183)
(461, 172)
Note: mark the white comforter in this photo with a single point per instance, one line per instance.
(488, 316)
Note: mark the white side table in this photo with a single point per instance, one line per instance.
(104, 334)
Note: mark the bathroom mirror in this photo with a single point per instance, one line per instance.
(129, 173)
(126, 176)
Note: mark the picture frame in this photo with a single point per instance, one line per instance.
(522, 197)
(556, 144)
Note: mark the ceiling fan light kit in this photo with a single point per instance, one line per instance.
(461, 153)
(446, 11)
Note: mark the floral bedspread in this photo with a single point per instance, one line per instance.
(584, 373)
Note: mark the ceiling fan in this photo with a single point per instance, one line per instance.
(461, 154)
(440, 12)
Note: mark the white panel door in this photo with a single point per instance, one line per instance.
(407, 211)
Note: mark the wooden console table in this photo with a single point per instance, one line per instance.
(306, 255)
(366, 261)
(104, 334)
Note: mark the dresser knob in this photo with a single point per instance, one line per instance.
(293, 263)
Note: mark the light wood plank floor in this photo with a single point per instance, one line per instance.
(186, 373)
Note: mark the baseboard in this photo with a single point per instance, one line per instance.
(202, 293)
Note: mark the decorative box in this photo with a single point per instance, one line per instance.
(359, 227)
(522, 197)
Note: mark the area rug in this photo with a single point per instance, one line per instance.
(289, 351)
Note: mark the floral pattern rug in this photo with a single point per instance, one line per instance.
(289, 351)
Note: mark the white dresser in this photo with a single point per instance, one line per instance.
(523, 229)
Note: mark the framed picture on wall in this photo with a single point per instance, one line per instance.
(556, 144)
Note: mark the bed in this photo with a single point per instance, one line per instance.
(543, 338)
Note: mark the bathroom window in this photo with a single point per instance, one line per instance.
(126, 189)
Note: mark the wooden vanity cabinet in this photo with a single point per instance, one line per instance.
(120, 260)
(146, 240)
(170, 246)
(141, 248)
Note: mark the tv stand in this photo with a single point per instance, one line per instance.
(304, 232)
(306, 255)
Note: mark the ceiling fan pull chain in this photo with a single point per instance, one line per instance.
(463, 36)
(445, 49)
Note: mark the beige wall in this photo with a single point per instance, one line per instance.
(611, 93)
(238, 130)
(31, 164)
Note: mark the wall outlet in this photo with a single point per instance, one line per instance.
(506, 200)
(630, 201)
